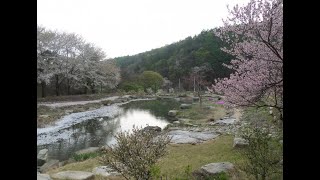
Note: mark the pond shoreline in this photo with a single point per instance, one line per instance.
(51, 134)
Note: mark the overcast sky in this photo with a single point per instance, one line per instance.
(127, 27)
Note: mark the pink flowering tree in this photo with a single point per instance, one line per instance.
(255, 35)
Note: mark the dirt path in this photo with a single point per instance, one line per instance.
(72, 103)
(237, 113)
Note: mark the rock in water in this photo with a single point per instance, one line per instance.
(152, 128)
(73, 175)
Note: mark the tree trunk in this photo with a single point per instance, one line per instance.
(43, 89)
(199, 94)
(68, 86)
(57, 86)
(93, 91)
(194, 84)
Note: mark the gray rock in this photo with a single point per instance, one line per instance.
(43, 177)
(177, 99)
(195, 98)
(208, 107)
(189, 137)
(117, 100)
(87, 150)
(172, 113)
(91, 109)
(185, 106)
(44, 116)
(42, 157)
(187, 100)
(183, 120)
(189, 124)
(73, 175)
(152, 128)
(62, 163)
(105, 171)
(214, 168)
(239, 142)
(68, 111)
(176, 122)
(51, 164)
(223, 122)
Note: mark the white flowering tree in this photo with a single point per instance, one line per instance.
(66, 59)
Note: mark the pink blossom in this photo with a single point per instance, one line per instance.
(256, 43)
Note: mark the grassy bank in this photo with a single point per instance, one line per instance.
(174, 164)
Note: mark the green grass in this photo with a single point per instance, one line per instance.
(85, 156)
(180, 156)
(175, 163)
(82, 97)
(201, 115)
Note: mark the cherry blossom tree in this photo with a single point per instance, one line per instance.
(65, 58)
(255, 35)
(46, 56)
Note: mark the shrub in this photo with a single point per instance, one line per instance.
(149, 91)
(263, 153)
(136, 153)
(129, 86)
(82, 157)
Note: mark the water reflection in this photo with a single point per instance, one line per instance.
(100, 131)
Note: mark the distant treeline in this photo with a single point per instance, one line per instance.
(178, 60)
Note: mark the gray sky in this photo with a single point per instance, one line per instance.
(127, 27)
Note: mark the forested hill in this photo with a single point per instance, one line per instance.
(176, 60)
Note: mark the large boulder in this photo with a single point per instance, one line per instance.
(42, 157)
(214, 169)
(239, 142)
(190, 137)
(51, 164)
(105, 171)
(185, 106)
(172, 113)
(73, 175)
(87, 150)
(43, 177)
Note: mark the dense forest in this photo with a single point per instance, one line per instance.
(180, 60)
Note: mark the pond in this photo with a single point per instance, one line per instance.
(100, 131)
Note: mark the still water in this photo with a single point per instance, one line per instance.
(100, 131)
